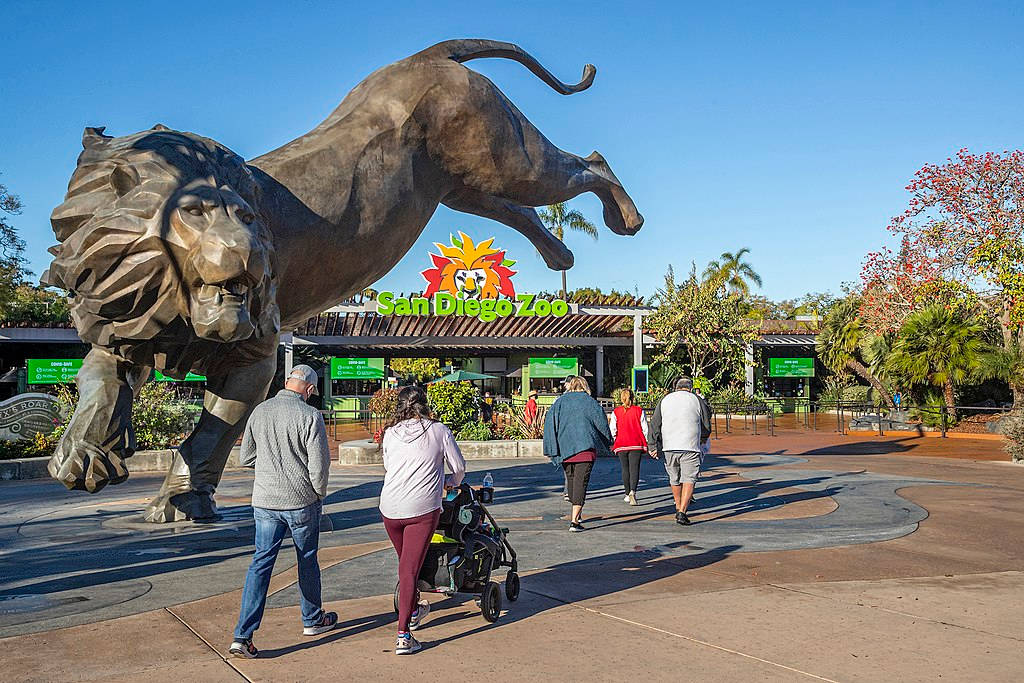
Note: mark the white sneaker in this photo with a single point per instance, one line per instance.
(416, 620)
(631, 499)
(626, 498)
(406, 645)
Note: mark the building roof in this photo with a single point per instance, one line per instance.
(593, 321)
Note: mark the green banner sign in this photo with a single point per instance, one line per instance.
(791, 367)
(553, 367)
(357, 368)
(190, 377)
(52, 370)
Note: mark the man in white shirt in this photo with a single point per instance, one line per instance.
(680, 427)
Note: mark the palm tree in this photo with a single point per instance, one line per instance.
(939, 347)
(1006, 365)
(734, 273)
(842, 342)
(558, 218)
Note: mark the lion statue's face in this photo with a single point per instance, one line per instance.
(162, 245)
(227, 257)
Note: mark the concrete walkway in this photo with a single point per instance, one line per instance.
(807, 564)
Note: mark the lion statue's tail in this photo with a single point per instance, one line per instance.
(465, 50)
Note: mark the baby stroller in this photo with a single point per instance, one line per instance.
(466, 548)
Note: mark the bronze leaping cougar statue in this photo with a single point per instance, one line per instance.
(180, 256)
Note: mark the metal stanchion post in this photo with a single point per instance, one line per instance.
(753, 415)
(942, 412)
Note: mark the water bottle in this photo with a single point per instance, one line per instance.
(488, 481)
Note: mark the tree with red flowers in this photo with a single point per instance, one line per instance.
(961, 244)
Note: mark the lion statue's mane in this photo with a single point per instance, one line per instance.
(120, 260)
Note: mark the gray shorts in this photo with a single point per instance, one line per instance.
(683, 467)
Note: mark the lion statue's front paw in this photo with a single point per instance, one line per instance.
(85, 467)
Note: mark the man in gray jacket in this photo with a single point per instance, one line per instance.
(286, 442)
(680, 426)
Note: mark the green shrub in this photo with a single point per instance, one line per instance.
(454, 403)
(929, 410)
(40, 445)
(732, 394)
(857, 394)
(835, 385)
(1013, 430)
(647, 400)
(517, 428)
(159, 417)
(703, 385)
(474, 431)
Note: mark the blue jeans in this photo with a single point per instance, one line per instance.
(271, 526)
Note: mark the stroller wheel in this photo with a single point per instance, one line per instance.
(512, 586)
(490, 602)
(396, 598)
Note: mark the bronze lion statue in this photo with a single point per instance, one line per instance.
(181, 256)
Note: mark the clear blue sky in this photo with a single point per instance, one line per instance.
(790, 128)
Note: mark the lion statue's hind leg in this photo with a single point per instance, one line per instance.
(99, 438)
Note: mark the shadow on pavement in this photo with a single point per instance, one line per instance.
(579, 581)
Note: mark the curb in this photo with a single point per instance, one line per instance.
(986, 436)
(366, 452)
(23, 469)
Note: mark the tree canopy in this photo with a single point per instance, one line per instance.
(702, 327)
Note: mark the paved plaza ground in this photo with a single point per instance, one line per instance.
(814, 556)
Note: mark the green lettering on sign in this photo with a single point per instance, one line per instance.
(52, 370)
(553, 367)
(357, 368)
(791, 367)
(485, 310)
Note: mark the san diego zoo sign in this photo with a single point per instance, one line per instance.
(472, 280)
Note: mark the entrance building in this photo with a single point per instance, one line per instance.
(599, 338)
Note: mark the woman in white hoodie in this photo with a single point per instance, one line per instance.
(415, 448)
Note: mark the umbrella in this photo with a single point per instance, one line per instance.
(464, 376)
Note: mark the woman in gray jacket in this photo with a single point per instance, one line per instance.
(575, 433)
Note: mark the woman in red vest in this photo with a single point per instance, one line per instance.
(629, 429)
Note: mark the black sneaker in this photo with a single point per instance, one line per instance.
(327, 621)
(681, 518)
(576, 527)
(243, 648)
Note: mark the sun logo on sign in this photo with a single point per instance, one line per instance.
(477, 271)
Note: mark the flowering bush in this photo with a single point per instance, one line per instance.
(384, 402)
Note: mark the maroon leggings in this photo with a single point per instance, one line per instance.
(411, 538)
